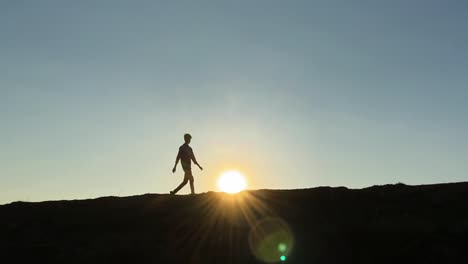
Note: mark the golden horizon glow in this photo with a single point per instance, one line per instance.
(232, 182)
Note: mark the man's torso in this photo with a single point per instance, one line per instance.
(185, 155)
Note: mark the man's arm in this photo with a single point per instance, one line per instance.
(176, 161)
(195, 161)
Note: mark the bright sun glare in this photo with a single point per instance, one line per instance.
(231, 182)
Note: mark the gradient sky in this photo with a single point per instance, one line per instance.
(95, 96)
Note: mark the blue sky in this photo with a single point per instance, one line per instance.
(95, 96)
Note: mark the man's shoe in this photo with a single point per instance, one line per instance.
(172, 192)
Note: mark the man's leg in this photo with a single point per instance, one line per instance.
(191, 179)
(186, 179)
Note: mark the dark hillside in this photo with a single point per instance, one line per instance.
(380, 224)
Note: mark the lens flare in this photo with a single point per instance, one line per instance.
(282, 247)
(271, 240)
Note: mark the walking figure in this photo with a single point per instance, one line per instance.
(186, 156)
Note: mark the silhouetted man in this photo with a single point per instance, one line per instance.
(186, 156)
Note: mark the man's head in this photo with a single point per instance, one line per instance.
(187, 138)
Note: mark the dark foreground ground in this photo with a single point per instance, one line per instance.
(380, 224)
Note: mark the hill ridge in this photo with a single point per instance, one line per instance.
(249, 190)
(377, 224)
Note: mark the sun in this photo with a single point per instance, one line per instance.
(231, 182)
